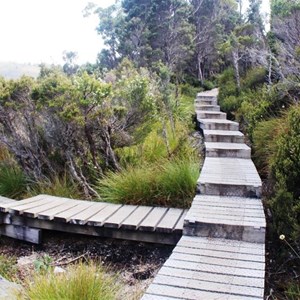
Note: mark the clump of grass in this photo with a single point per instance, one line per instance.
(60, 186)
(81, 281)
(13, 182)
(168, 183)
(8, 267)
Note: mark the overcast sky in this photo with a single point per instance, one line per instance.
(38, 31)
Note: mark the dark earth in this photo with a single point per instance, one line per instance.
(135, 262)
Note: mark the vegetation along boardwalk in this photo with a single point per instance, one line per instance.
(222, 252)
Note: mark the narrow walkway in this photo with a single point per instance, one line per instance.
(222, 252)
(24, 219)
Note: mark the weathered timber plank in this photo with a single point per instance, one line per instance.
(122, 214)
(66, 215)
(23, 233)
(133, 221)
(179, 226)
(219, 254)
(83, 216)
(5, 206)
(51, 213)
(190, 294)
(99, 218)
(226, 270)
(155, 297)
(152, 219)
(213, 277)
(230, 245)
(194, 284)
(21, 208)
(4, 200)
(170, 219)
(33, 212)
(242, 264)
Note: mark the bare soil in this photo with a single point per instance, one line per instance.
(135, 262)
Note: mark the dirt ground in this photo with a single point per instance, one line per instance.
(136, 263)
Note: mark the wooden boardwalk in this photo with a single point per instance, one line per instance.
(24, 219)
(222, 252)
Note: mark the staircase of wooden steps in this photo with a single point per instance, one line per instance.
(222, 252)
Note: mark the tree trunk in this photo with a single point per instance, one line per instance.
(235, 61)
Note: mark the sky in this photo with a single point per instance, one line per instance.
(36, 31)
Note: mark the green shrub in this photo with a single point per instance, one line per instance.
(293, 291)
(285, 167)
(80, 282)
(254, 78)
(60, 186)
(13, 182)
(208, 85)
(168, 183)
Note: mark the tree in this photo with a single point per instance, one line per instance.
(70, 67)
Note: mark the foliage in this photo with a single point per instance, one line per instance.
(13, 182)
(293, 291)
(79, 282)
(286, 171)
(8, 267)
(61, 186)
(167, 183)
(42, 265)
(284, 7)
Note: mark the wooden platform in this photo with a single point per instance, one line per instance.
(142, 223)
(222, 252)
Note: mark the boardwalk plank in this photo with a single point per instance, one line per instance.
(179, 226)
(83, 216)
(99, 218)
(229, 244)
(152, 219)
(115, 221)
(51, 213)
(5, 206)
(66, 214)
(169, 221)
(155, 297)
(132, 222)
(242, 264)
(34, 212)
(21, 208)
(190, 294)
(219, 254)
(202, 267)
(191, 283)
(213, 277)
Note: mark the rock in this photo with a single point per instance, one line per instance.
(9, 290)
(59, 270)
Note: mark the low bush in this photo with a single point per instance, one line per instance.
(13, 182)
(88, 282)
(168, 183)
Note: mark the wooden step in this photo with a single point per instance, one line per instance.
(237, 150)
(207, 107)
(223, 136)
(235, 218)
(218, 124)
(203, 114)
(229, 177)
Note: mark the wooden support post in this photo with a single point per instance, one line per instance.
(23, 233)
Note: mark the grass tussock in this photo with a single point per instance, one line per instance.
(13, 182)
(168, 183)
(8, 267)
(60, 186)
(88, 282)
